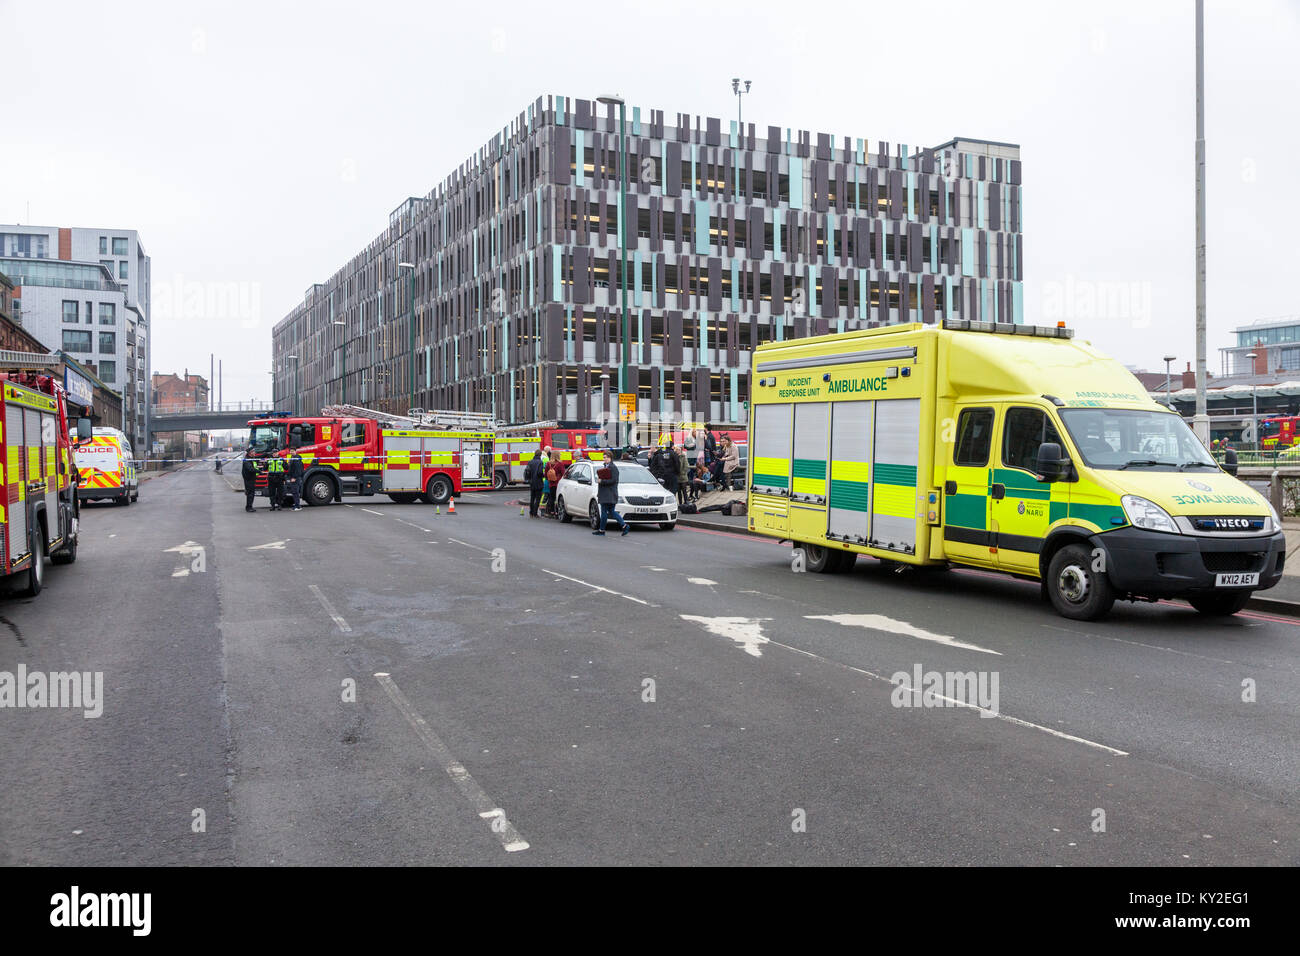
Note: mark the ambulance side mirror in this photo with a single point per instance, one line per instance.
(1051, 465)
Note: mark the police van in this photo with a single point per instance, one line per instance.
(1009, 448)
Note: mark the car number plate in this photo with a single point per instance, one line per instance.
(1236, 580)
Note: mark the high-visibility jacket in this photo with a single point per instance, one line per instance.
(275, 467)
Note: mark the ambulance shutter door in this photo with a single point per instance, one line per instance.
(893, 493)
(402, 466)
(14, 478)
(811, 446)
(772, 431)
(850, 498)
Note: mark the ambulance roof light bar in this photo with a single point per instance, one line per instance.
(1059, 331)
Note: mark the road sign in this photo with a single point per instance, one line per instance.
(627, 406)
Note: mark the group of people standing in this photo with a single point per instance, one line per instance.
(543, 474)
(283, 480)
(687, 468)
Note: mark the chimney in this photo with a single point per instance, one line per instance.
(1189, 377)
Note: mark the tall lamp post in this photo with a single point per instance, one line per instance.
(410, 298)
(740, 101)
(611, 99)
(1168, 359)
(1254, 403)
(294, 358)
(604, 404)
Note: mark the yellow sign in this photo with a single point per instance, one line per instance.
(627, 406)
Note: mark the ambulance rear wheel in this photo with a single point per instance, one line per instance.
(1075, 589)
(498, 480)
(819, 559)
(36, 573)
(319, 491)
(438, 491)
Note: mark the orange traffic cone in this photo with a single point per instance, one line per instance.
(451, 506)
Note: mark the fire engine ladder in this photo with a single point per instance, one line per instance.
(532, 428)
(417, 418)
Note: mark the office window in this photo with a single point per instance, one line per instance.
(103, 245)
(107, 313)
(108, 372)
(107, 343)
(90, 312)
(69, 312)
(121, 270)
(78, 341)
(24, 245)
(119, 246)
(107, 264)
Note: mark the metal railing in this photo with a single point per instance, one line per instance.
(252, 405)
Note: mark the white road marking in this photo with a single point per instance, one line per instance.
(468, 545)
(959, 703)
(745, 631)
(647, 567)
(597, 587)
(878, 622)
(704, 581)
(271, 546)
(510, 839)
(1154, 647)
(367, 510)
(329, 609)
(412, 525)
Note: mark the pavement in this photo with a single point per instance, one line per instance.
(374, 683)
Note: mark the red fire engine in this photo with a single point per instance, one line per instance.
(39, 511)
(516, 443)
(1278, 433)
(348, 450)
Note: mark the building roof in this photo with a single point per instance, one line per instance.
(1277, 322)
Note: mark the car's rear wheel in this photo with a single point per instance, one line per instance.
(1077, 591)
(438, 490)
(562, 512)
(1219, 605)
(593, 515)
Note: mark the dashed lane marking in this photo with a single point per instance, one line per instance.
(597, 587)
(501, 827)
(329, 609)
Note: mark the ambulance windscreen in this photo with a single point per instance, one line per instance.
(1117, 439)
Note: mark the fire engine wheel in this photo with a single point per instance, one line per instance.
(438, 491)
(66, 555)
(36, 573)
(562, 512)
(320, 491)
(498, 480)
(405, 497)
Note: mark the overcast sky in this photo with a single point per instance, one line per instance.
(258, 146)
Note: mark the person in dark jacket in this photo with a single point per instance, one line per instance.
(293, 482)
(663, 465)
(710, 444)
(250, 472)
(607, 494)
(535, 475)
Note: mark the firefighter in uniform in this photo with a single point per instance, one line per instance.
(275, 481)
(250, 472)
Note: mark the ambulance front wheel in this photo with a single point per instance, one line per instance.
(438, 490)
(1076, 589)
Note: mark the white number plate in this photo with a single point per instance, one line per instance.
(1236, 580)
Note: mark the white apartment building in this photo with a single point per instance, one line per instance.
(86, 291)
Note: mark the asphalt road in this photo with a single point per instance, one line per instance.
(512, 721)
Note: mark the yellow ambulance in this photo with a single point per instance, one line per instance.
(1010, 448)
(106, 468)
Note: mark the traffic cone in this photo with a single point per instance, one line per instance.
(521, 511)
(451, 506)
(437, 510)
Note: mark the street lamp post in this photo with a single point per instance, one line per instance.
(1168, 359)
(343, 376)
(294, 358)
(410, 298)
(604, 404)
(740, 101)
(610, 99)
(1254, 403)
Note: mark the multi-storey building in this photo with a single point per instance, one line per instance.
(499, 290)
(86, 292)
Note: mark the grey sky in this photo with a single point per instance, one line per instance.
(258, 146)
